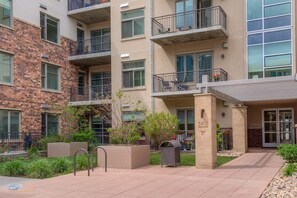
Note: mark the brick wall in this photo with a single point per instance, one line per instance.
(255, 138)
(25, 42)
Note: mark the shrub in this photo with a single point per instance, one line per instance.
(127, 133)
(86, 135)
(288, 152)
(33, 153)
(52, 138)
(61, 165)
(290, 169)
(4, 159)
(82, 162)
(160, 127)
(40, 169)
(14, 168)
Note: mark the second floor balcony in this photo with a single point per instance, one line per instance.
(94, 51)
(178, 82)
(89, 11)
(95, 94)
(195, 25)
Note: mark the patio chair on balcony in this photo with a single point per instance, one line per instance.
(166, 86)
(182, 85)
(163, 30)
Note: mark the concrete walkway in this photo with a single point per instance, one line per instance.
(246, 176)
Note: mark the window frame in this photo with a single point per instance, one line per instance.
(9, 111)
(11, 69)
(44, 28)
(45, 76)
(133, 70)
(132, 20)
(10, 16)
(46, 133)
(264, 44)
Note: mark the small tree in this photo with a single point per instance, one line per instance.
(122, 132)
(160, 127)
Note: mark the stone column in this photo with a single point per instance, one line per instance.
(205, 131)
(239, 128)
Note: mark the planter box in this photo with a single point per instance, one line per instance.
(61, 149)
(125, 156)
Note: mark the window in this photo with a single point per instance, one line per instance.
(269, 38)
(132, 23)
(50, 77)
(81, 84)
(9, 124)
(5, 13)
(185, 68)
(6, 69)
(100, 40)
(129, 116)
(133, 74)
(186, 123)
(100, 85)
(49, 124)
(99, 126)
(49, 28)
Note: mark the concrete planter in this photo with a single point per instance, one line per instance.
(125, 156)
(62, 149)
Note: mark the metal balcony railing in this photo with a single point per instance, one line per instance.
(77, 4)
(94, 45)
(195, 19)
(184, 81)
(90, 93)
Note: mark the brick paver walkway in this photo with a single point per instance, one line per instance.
(246, 176)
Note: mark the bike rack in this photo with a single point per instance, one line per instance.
(74, 165)
(99, 147)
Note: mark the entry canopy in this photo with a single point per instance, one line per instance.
(253, 90)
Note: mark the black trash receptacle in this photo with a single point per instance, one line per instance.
(170, 153)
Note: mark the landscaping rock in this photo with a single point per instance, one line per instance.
(281, 186)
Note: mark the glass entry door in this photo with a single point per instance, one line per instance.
(278, 127)
(205, 63)
(184, 18)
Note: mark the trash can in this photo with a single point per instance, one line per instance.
(170, 153)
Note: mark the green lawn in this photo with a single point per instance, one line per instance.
(186, 159)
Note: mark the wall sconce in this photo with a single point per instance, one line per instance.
(202, 112)
(225, 45)
(223, 114)
(222, 56)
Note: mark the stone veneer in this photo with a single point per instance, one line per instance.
(25, 43)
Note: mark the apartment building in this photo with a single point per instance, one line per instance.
(230, 62)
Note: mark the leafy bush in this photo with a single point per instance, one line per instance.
(160, 127)
(61, 165)
(219, 137)
(288, 152)
(81, 162)
(127, 133)
(290, 169)
(40, 169)
(4, 159)
(52, 138)
(33, 153)
(86, 135)
(14, 168)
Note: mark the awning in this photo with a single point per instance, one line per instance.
(253, 90)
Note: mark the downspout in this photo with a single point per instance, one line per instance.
(152, 59)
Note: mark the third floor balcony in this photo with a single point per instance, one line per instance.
(195, 25)
(89, 11)
(90, 52)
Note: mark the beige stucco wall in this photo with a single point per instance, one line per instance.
(138, 48)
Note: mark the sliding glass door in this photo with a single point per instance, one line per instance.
(184, 18)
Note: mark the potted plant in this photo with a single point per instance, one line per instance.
(124, 152)
(188, 144)
(216, 76)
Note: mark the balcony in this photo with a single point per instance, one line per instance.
(186, 82)
(97, 94)
(89, 11)
(196, 25)
(94, 51)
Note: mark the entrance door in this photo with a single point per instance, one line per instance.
(278, 127)
(205, 63)
(80, 41)
(204, 14)
(184, 18)
(100, 130)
